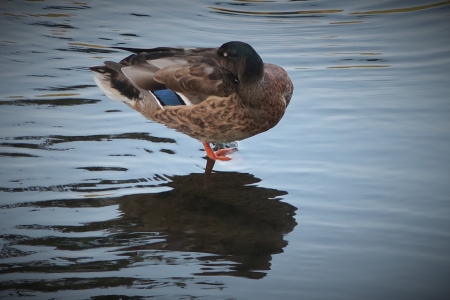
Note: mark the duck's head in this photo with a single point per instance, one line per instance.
(241, 60)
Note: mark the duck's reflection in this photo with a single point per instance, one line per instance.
(224, 213)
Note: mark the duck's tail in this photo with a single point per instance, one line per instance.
(116, 86)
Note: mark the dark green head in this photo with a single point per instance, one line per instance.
(241, 60)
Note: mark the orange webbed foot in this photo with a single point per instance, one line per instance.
(218, 155)
(222, 153)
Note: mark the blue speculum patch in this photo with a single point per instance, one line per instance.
(168, 97)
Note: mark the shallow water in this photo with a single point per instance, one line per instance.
(347, 198)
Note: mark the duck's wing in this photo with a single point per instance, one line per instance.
(194, 74)
(194, 78)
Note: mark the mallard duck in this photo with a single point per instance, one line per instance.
(214, 95)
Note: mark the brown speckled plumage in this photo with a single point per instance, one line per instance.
(233, 95)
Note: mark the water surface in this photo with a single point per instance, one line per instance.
(346, 198)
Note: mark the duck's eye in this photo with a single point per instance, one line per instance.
(225, 54)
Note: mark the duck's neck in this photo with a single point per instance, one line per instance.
(250, 85)
(253, 70)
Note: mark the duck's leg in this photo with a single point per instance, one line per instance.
(218, 155)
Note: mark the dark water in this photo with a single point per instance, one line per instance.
(347, 198)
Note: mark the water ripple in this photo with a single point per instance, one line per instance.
(278, 13)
